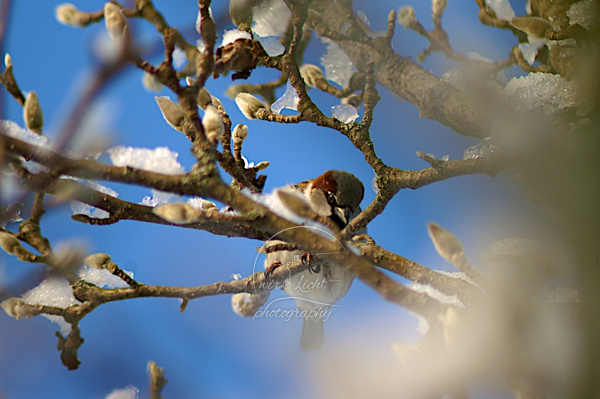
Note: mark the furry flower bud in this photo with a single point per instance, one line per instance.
(68, 14)
(533, 26)
(177, 212)
(407, 16)
(151, 83)
(9, 243)
(114, 20)
(439, 6)
(262, 165)
(32, 113)
(249, 105)
(447, 244)
(14, 307)
(240, 12)
(213, 124)
(246, 305)
(7, 60)
(311, 74)
(171, 111)
(240, 133)
(97, 261)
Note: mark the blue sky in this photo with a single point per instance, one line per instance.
(208, 350)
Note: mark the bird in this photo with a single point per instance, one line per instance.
(335, 195)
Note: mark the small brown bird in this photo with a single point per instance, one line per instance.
(336, 195)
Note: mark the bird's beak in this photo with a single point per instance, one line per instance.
(344, 215)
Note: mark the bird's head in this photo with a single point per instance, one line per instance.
(337, 195)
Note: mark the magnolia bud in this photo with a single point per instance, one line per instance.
(69, 256)
(407, 16)
(262, 165)
(311, 74)
(177, 212)
(295, 203)
(68, 14)
(207, 205)
(204, 98)
(7, 60)
(233, 90)
(438, 6)
(450, 324)
(392, 15)
(447, 244)
(151, 82)
(213, 124)
(14, 307)
(114, 20)
(240, 12)
(240, 132)
(238, 302)
(217, 104)
(97, 261)
(249, 105)
(9, 243)
(246, 305)
(32, 113)
(533, 26)
(153, 368)
(171, 111)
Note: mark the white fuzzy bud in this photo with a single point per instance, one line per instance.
(204, 98)
(217, 104)
(392, 16)
(213, 124)
(9, 243)
(295, 202)
(68, 14)
(114, 20)
(447, 244)
(177, 212)
(240, 12)
(533, 26)
(407, 16)
(262, 165)
(156, 373)
(438, 6)
(207, 205)
(32, 113)
(171, 111)
(151, 83)
(14, 308)
(238, 302)
(7, 60)
(240, 133)
(450, 324)
(311, 74)
(97, 261)
(249, 105)
(233, 90)
(69, 256)
(246, 305)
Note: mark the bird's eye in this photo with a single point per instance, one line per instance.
(331, 198)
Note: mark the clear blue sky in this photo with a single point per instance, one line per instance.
(208, 351)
